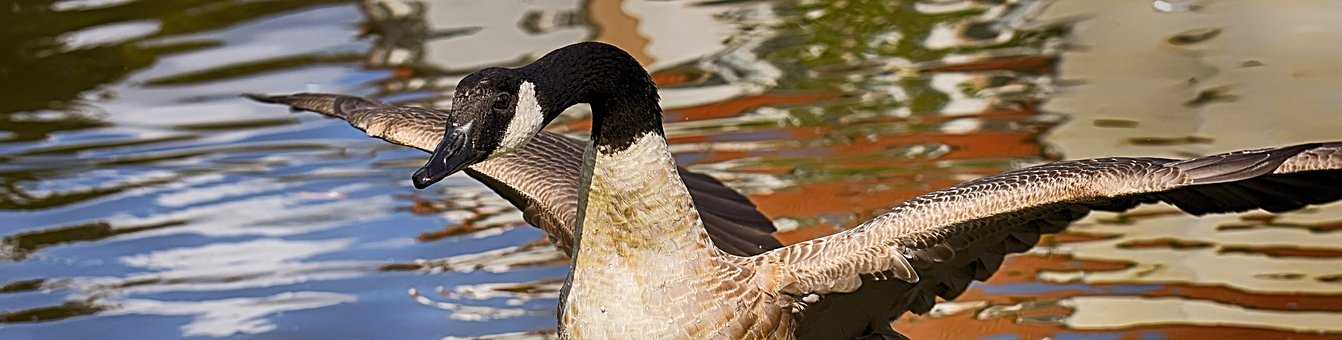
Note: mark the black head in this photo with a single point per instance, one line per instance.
(496, 110)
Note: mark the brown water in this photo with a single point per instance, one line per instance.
(140, 198)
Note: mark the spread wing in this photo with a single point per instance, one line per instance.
(936, 244)
(542, 178)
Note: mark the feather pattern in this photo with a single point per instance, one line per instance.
(542, 178)
(623, 283)
(951, 237)
(932, 246)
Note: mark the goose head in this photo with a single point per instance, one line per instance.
(494, 112)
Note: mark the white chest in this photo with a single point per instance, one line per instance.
(645, 268)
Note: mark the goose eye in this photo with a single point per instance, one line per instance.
(502, 102)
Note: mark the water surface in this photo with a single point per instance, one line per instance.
(141, 198)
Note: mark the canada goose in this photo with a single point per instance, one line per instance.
(541, 178)
(645, 267)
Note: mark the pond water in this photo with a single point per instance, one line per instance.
(140, 197)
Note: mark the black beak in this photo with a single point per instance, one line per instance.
(452, 155)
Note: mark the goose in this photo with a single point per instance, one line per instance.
(644, 266)
(541, 177)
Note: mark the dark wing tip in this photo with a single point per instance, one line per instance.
(265, 98)
(732, 220)
(296, 102)
(1240, 165)
(712, 196)
(334, 105)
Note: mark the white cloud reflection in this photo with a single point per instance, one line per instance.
(109, 34)
(233, 316)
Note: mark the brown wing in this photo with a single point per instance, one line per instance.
(542, 178)
(936, 244)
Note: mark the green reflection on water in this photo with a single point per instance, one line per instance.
(42, 70)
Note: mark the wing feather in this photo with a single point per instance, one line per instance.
(542, 178)
(980, 221)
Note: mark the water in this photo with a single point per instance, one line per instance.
(141, 198)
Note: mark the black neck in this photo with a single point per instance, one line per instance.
(622, 95)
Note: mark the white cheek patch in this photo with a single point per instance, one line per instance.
(526, 122)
